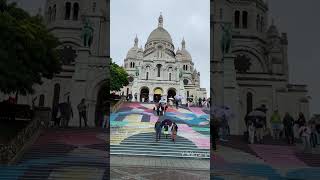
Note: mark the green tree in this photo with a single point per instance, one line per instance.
(119, 77)
(27, 50)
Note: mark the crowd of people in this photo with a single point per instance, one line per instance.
(286, 127)
(167, 129)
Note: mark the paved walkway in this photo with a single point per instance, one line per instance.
(236, 159)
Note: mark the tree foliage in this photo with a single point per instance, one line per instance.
(27, 50)
(119, 77)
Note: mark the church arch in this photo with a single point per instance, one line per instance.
(144, 94)
(171, 93)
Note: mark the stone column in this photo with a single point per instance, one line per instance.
(231, 96)
(79, 84)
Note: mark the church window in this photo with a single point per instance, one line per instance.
(258, 22)
(262, 24)
(169, 76)
(54, 12)
(49, 14)
(147, 76)
(188, 94)
(185, 81)
(75, 11)
(41, 100)
(245, 19)
(237, 19)
(133, 64)
(186, 67)
(94, 7)
(159, 68)
(68, 11)
(221, 13)
(249, 102)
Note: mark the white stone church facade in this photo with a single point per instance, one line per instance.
(159, 71)
(85, 69)
(256, 71)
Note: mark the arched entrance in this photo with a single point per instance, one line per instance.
(157, 94)
(102, 106)
(171, 93)
(144, 94)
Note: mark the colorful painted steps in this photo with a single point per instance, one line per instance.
(63, 154)
(144, 145)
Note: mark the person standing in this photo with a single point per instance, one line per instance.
(157, 128)
(305, 133)
(67, 113)
(224, 128)
(166, 130)
(174, 131)
(251, 131)
(259, 127)
(275, 122)
(288, 124)
(82, 108)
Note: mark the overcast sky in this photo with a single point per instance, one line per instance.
(181, 18)
(189, 18)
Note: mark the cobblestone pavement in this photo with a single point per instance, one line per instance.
(149, 168)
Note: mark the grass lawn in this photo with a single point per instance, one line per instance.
(9, 129)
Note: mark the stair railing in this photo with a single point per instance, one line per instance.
(40, 120)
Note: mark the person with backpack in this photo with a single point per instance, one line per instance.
(174, 131)
(157, 128)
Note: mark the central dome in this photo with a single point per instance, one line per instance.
(160, 34)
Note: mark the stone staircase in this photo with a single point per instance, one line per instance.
(144, 144)
(63, 154)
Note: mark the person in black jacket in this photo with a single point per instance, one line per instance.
(288, 123)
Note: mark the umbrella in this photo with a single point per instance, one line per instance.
(162, 101)
(171, 98)
(257, 113)
(166, 121)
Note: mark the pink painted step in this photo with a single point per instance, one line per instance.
(279, 156)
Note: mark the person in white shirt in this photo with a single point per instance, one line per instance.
(305, 133)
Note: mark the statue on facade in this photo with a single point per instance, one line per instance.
(87, 34)
(180, 73)
(137, 71)
(226, 38)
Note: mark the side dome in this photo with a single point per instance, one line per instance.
(273, 30)
(133, 52)
(185, 55)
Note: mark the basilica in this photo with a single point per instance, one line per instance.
(85, 67)
(256, 70)
(158, 71)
